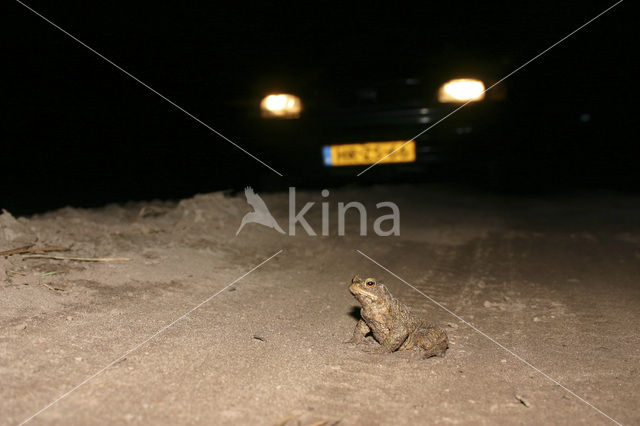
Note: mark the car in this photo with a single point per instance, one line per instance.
(413, 121)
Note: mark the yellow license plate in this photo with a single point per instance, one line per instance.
(358, 154)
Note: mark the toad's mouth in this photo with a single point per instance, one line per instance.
(359, 292)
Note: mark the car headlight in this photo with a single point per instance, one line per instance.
(461, 90)
(281, 105)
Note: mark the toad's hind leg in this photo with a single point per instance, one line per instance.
(433, 340)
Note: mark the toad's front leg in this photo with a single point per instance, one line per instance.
(359, 332)
(394, 339)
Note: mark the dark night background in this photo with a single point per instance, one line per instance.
(78, 131)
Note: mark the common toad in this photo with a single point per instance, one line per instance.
(391, 322)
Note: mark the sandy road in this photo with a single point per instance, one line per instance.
(555, 280)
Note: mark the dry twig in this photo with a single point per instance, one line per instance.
(52, 288)
(28, 249)
(47, 274)
(523, 400)
(78, 259)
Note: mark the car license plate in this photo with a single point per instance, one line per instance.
(358, 154)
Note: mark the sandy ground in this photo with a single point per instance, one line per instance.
(554, 280)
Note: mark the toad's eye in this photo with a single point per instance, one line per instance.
(371, 283)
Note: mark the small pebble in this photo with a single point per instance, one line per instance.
(21, 326)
